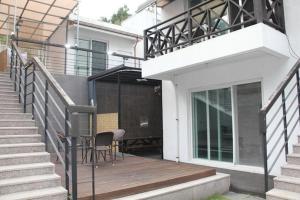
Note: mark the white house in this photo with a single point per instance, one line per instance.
(220, 62)
(101, 38)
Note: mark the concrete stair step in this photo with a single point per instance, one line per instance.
(53, 193)
(15, 171)
(11, 100)
(8, 92)
(28, 183)
(6, 87)
(17, 123)
(6, 84)
(276, 194)
(10, 105)
(16, 139)
(291, 170)
(9, 96)
(11, 110)
(288, 183)
(21, 148)
(7, 116)
(296, 148)
(18, 130)
(24, 158)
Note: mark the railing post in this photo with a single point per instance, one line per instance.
(263, 131)
(20, 82)
(46, 113)
(190, 27)
(74, 135)
(67, 181)
(11, 61)
(33, 90)
(285, 123)
(94, 129)
(25, 90)
(259, 10)
(145, 45)
(298, 90)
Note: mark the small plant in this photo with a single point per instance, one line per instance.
(217, 197)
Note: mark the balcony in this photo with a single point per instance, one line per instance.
(211, 19)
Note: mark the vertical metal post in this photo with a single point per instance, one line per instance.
(209, 23)
(25, 90)
(11, 61)
(190, 27)
(145, 45)
(298, 90)
(259, 10)
(20, 81)
(94, 127)
(285, 123)
(67, 178)
(119, 100)
(66, 50)
(74, 135)
(46, 114)
(263, 131)
(33, 91)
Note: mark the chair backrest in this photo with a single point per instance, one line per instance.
(104, 139)
(119, 134)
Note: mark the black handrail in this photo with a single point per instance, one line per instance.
(71, 115)
(280, 95)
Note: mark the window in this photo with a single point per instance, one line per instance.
(212, 125)
(82, 58)
(99, 60)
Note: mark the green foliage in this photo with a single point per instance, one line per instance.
(217, 197)
(117, 18)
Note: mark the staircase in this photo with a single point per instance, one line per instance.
(25, 168)
(287, 186)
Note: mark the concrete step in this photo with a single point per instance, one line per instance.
(276, 194)
(11, 110)
(53, 193)
(10, 105)
(18, 130)
(6, 87)
(17, 123)
(296, 148)
(11, 100)
(17, 139)
(6, 84)
(288, 183)
(291, 170)
(8, 92)
(24, 158)
(21, 148)
(7, 116)
(28, 183)
(23, 170)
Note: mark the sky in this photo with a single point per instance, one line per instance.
(96, 9)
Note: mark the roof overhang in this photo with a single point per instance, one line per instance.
(158, 3)
(35, 19)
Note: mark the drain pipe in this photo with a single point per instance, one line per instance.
(177, 121)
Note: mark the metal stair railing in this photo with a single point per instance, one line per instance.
(279, 119)
(55, 111)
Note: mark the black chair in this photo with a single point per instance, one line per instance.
(103, 144)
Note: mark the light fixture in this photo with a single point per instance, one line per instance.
(67, 46)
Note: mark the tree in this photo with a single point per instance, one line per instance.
(117, 18)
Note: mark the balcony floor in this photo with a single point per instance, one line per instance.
(134, 175)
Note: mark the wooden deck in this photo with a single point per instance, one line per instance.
(134, 175)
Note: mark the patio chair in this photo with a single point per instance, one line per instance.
(119, 137)
(103, 144)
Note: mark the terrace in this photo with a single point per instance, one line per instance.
(208, 20)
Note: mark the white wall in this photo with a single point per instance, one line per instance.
(270, 70)
(173, 9)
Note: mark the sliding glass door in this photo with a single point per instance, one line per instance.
(212, 125)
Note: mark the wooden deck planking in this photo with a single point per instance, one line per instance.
(134, 175)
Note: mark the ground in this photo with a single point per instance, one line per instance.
(234, 196)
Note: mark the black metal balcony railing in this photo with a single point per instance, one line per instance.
(210, 19)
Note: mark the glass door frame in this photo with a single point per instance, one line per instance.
(234, 123)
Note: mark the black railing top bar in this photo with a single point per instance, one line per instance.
(280, 88)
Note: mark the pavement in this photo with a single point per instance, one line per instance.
(237, 196)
